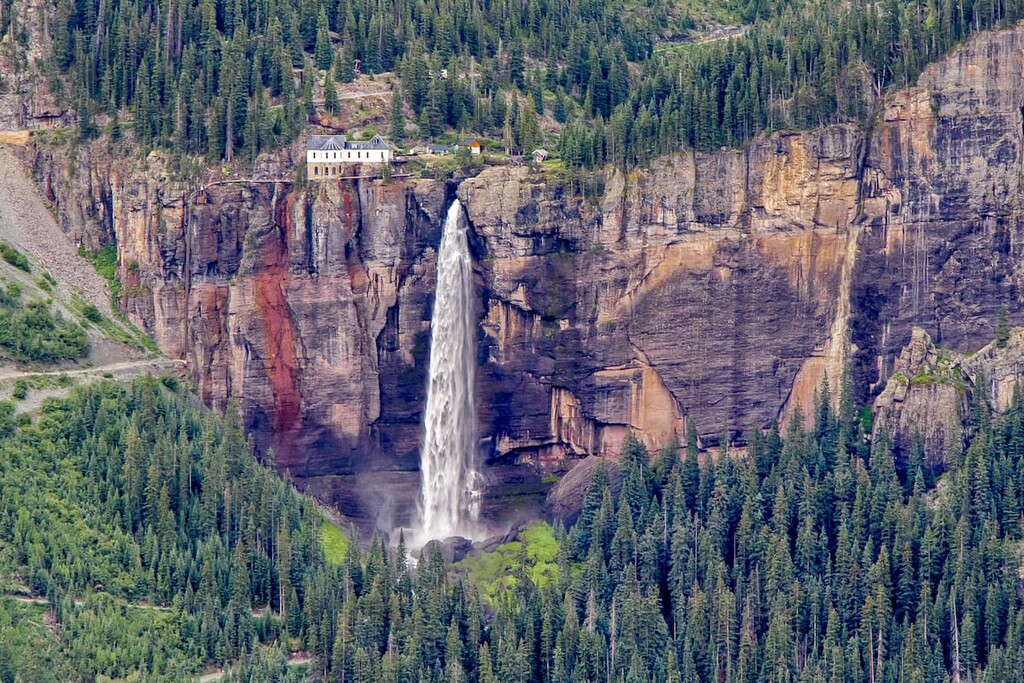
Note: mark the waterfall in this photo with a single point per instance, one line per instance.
(449, 499)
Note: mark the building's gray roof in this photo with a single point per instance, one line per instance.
(330, 142)
(340, 142)
(376, 142)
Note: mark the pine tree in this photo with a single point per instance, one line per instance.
(331, 102)
(324, 52)
(1002, 328)
(307, 92)
(690, 473)
(397, 116)
(240, 587)
(527, 128)
(516, 66)
(560, 111)
(346, 70)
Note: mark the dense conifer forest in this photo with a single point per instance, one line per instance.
(31, 332)
(622, 80)
(163, 547)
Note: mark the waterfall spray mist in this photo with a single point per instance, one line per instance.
(449, 499)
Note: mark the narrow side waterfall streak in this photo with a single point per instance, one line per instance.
(449, 500)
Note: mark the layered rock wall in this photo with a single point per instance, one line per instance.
(718, 287)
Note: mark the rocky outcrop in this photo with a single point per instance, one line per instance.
(926, 398)
(1001, 369)
(566, 498)
(719, 287)
(934, 391)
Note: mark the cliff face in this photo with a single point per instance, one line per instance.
(704, 287)
(719, 287)
(725, 287)
(943, 204)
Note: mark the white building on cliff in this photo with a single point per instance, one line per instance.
(326, 154)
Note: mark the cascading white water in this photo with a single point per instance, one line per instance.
(449, 500)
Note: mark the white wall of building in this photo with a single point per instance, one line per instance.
(321, 163)
(348, 156)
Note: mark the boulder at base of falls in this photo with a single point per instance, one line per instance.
(565, 499)
(452, 549)
(489, 545)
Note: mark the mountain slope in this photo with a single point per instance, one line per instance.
(133, 513)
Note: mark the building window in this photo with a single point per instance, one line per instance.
(316, 170)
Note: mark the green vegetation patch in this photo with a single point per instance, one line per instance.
(944, 371)
(28, 647)
(154, 533)
(334, 542)
(498, 572)
(122, 330)
(105, 263)
(6, 429)
(98, 635)
(92, 314)
(49, 381)
(14, 257)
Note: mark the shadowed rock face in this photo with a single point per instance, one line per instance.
(719, 287)
(943, 199)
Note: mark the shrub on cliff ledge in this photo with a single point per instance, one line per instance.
(105, 263)
(1002, 328)
(14, 257)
